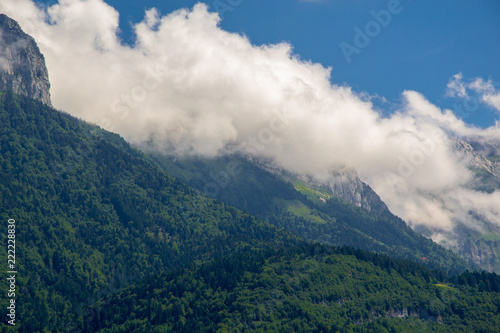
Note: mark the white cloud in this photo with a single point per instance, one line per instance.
(489, 94)
(485, 90)
(190, 87)
(455, 87)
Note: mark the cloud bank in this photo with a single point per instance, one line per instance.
(189, 87)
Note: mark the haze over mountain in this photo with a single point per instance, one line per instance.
(187, 87)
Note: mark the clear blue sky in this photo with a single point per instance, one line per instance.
(425, 43)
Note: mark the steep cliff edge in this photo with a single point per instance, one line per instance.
(22, 65)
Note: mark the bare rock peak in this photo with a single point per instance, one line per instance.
(22, 65)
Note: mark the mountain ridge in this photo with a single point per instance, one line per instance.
(287, 202)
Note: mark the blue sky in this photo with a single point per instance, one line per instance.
(423, 46)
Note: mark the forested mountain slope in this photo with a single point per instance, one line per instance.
(92, 214)
(286, 201)
(307, 289)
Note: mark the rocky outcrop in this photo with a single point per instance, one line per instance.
(481, 243)
(484, 253)
(345, 183)
(475, 159)
(421, 313)
(22, 65)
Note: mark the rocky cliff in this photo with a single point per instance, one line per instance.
(478, 159)
(480, 243)
(343, 182)
(22, 65)
(485, 253)
(346, 184)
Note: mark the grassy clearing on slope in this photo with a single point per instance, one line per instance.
(444, 286)
(318, 196)
(297, 208)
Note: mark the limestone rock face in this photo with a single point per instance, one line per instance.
(343, 182)
(477, 159)
(22, 65)
(485, 253)
(346, 184)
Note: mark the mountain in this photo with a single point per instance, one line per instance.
(106, 241)
(342, 182)
(309, 208)
(477, 236)
(22, 66)
(485, 160)
(93, 214)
